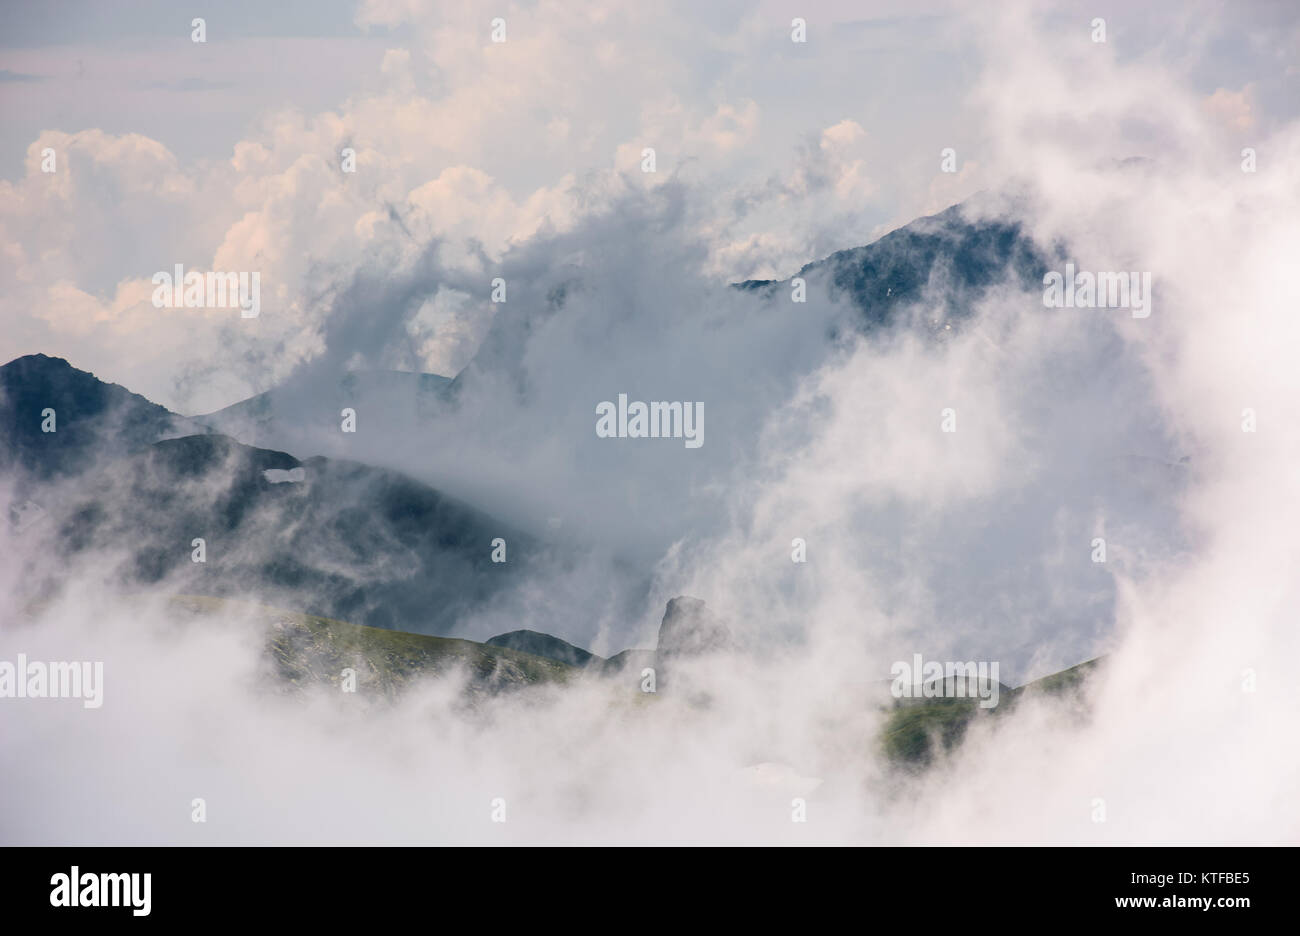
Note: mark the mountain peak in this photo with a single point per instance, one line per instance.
(543, 645)
(56, 418)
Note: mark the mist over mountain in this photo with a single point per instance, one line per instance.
(395, 528)
(298, 413)
(335, 538)
(85, 420)
(614, 318)
(949, 261)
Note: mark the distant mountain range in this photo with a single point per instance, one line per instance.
(347, 540)
(292, 414)
(362, 555)
(903, 267)
(91, 420)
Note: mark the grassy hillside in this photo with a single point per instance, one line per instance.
(918, 729)
(305, 649)
(544, 645)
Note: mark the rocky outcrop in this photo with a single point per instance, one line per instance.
(689, 631)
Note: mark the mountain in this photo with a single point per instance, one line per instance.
(633, 660)
(966, 257)
(689, 628)
(918, 730)
(331, 537)
(304, 413)
(544, 645)
(305, 650)
(346, 541)
(92, 420)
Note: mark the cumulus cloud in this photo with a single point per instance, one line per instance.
(476, 144)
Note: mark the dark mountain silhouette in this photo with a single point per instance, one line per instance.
(92, 420)
(347, 541)
(946, 258)
(544, 645)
